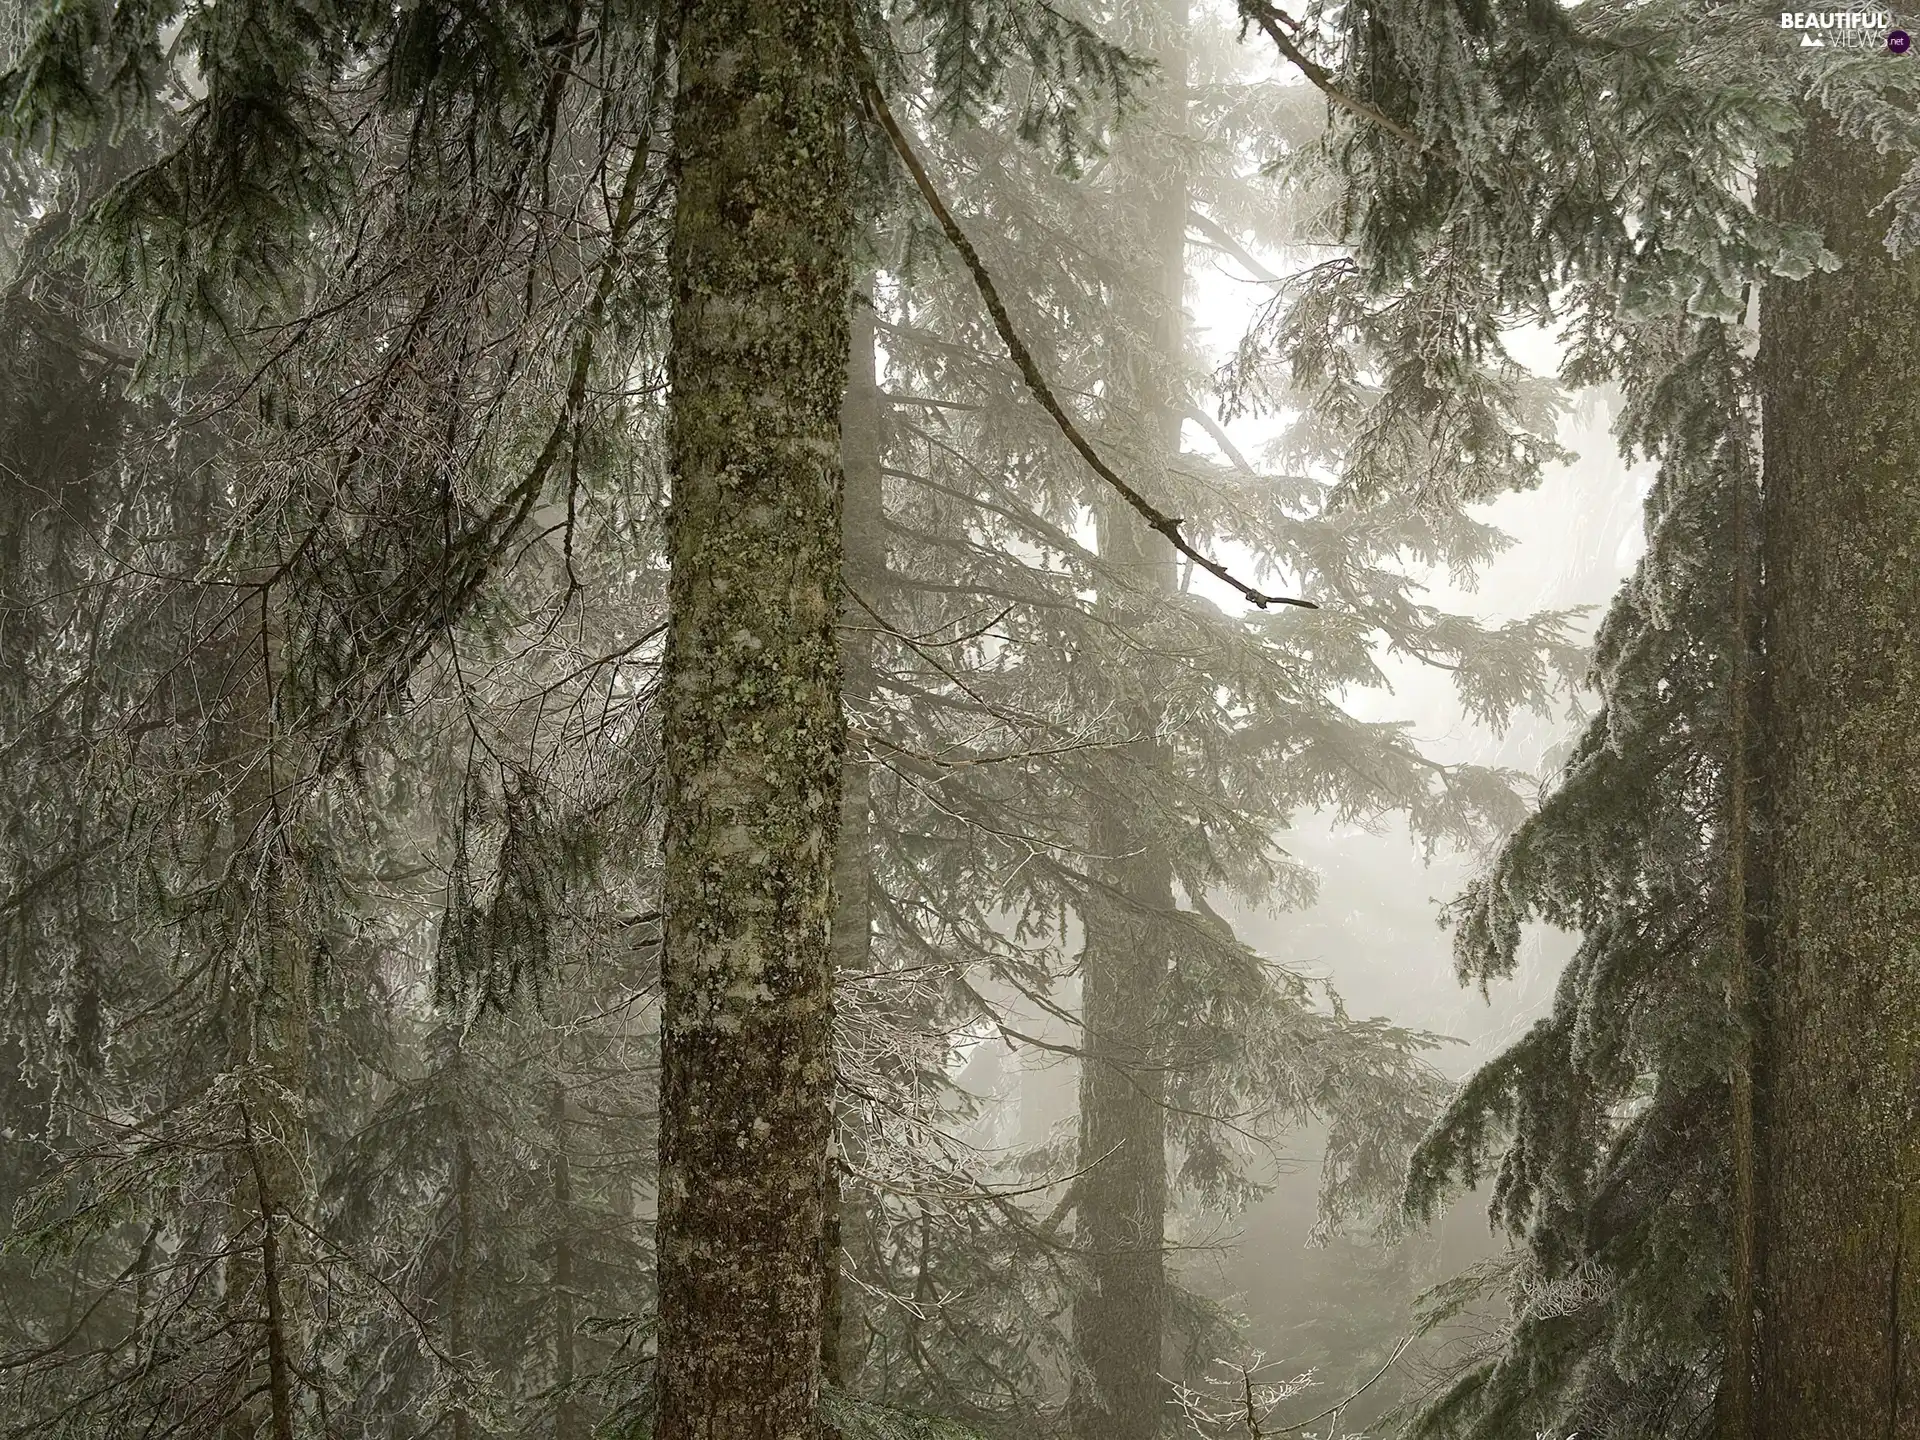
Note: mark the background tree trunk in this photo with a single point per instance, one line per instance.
(1119, 1314)
(863, 526)
(1840, 1134)
(753, 722)
(567, 1419)
(460, 1287)
(268, 1047)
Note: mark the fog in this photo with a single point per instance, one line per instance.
(851, 721)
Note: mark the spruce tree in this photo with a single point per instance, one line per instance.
(326, 532)
(1120, 1308)
(1016, 713)
(1594, 167)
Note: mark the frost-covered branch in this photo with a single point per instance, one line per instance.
(1157, 520)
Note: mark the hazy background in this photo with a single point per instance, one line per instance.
(1374, 930)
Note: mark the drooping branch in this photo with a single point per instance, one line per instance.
(1351, 1395)
(1270, 19)
(1022, 357)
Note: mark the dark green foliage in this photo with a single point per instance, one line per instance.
(1028, 60)
(852, 1418)
(256, 622)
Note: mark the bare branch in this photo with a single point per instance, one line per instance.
(1023, 358)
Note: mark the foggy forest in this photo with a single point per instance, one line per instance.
(959, 720)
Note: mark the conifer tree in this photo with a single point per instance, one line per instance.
(309, 538)
(1015, 713)
(1594, 167)
(1120, 1308)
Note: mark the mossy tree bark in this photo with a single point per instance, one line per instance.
(1119, 1315)
(1839, 1102)
(754, 728)
(1734, 1417)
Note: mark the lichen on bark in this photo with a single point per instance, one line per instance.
(753, 719)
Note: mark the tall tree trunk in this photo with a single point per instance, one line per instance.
(1839, 1104)
(863, 530)
(1734, 1420)
(753, 722)
(567, 1419)
(460, 1286)
(268, 1048)
(1119, 1314)
(261, 1289)
(264, 1185)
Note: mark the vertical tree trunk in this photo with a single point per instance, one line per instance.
(1119, 1315)
(460, 1287)
(264, 1179)
(566, 1414)
(753, 721)
(864, 533)
(1734, 1418)
(1840, 1100)
(268, 1047)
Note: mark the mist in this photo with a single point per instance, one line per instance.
(962, 720)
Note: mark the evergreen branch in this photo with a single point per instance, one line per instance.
(22, 1359)
(1260, 13)
(1218, 434)
(888, 627)
(1023, 360)
(1034, 525)
(279, 1376)
(1002, 758)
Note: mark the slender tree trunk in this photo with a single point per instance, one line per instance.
(460, 1288)
(1734, 1420)
(863, 529)
(268, 1047)
(1119, 1315)
(1839, 1104)
(274, 1317)
(566, 1414)
(265, 1179)
(753, 721)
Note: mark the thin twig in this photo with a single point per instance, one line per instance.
(1022, 357)
(1349, 1398)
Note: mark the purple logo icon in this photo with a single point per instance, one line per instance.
(1898, 41)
